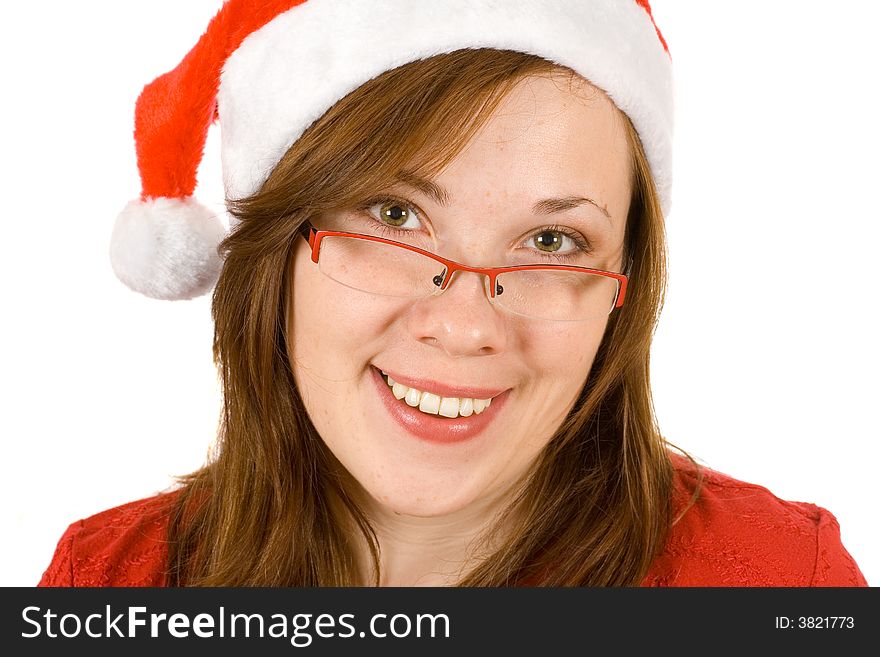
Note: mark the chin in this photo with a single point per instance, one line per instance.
(421, 500)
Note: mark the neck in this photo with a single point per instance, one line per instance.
(434, 550)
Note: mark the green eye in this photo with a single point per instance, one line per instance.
(394, 213)
(548, 240)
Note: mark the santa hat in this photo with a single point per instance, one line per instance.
(267, 69)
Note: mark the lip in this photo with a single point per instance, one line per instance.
(436, 428)
(445, 390)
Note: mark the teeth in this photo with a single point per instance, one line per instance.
(466, 409)
(399, 390)
(449, 407)
(413, 397)
(428, 402)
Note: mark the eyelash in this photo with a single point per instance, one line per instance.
(581, 244)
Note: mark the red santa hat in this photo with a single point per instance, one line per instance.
(267, 69)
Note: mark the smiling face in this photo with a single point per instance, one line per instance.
(547, 176)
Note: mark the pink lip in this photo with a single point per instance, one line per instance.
(436, 428)
(445, 390)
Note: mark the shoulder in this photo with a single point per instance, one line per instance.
(123, 546)
(740, 534)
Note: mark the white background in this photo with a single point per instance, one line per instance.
(766, 360)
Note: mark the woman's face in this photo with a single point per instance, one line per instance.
(551, 145)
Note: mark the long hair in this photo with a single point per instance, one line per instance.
(273, 507)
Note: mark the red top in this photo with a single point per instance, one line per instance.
(736, 534)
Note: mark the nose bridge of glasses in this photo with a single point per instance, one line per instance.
(454, 270)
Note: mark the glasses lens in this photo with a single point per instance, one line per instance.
(394, 271)
(379, 268)
(560, 295)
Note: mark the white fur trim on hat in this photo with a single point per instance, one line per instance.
(288, 73)
(166, 248)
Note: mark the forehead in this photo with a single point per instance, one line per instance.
(549, 137)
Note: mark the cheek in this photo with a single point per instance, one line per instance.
(322, 339)
(559, 360)
(325, 318)
(333, 331)
(564, 352)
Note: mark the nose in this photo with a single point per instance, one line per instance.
(460, 320)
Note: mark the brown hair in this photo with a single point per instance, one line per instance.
(273, 507)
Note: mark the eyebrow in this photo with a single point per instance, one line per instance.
(552, 205)
(430, 189)
(545, 206)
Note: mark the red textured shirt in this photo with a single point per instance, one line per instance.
(736, 534)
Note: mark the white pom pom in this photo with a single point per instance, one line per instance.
(166, 248)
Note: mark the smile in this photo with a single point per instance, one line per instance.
(455, 419)
(429, 402)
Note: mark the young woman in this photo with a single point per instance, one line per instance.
(434, 311)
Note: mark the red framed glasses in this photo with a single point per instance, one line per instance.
(540, 291)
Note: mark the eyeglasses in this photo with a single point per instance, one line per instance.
(387, 268)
